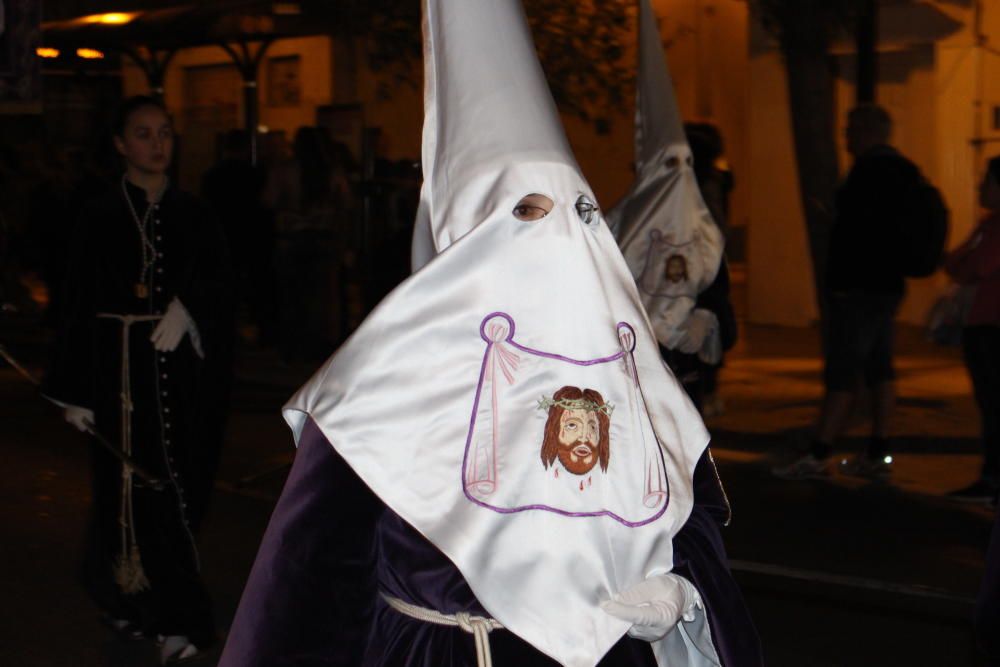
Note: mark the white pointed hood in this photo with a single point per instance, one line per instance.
(487, 108)
(666, 233)
(459, 398)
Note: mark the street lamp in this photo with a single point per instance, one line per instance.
(113, 18)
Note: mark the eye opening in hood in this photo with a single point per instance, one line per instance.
(533, 207)
(586, 209)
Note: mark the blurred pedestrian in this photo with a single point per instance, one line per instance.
(311, 199)
(976, 263)
(987, 619)
(715, 179)
(234, 188)
(669, 235)
(715, 184)
(141, 356)
(889, 220)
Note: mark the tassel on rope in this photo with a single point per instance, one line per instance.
(128, 572)
(129, 575)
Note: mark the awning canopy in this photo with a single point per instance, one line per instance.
(150, 37)
(181, 26)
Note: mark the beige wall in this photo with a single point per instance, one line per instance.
(197, 149)
(930, 76)
(726, 71)
(779, 270)
(705, 42)
(707, 46)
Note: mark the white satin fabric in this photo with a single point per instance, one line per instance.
(663, 218)
(486, 106)
(407, 399)
(434, 401)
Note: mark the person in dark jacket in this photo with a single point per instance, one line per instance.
(864, 288)
(234, 187)
(715, 185)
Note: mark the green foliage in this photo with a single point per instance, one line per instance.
(582, 46)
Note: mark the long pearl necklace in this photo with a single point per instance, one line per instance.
(148, 249)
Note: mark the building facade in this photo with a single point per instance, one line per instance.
(939, 76)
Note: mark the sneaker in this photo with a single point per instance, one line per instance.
(177, 649)
(867, 467)
(981, 492)
(125, 629)
(807, 467)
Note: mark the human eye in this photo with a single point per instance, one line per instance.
(532, 207)
(529, 213)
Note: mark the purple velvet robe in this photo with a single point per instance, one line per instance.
(988, 602)
(331, 545)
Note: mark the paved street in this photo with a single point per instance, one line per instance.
(837, 573)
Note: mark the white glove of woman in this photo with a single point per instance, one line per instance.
(655, 606)
(81, 418)
(170, 331)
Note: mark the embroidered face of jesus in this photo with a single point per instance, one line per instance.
(676, 269)
(576, 431)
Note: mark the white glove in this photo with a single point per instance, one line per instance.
(711, 351)
(700, 325)
(81, 418)
(655, 606)
(170, 331)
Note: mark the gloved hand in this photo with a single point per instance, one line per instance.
(81, 418)
(655, 606)
(171, 329)
(700, 325)
(711, 350)
(670, 322)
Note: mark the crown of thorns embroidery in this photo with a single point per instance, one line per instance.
(544, 403)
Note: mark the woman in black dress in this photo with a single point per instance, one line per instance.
(141, 355)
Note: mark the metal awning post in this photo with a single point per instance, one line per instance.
(154, 66)
(247, 61)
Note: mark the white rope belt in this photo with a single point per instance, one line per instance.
(477, 626)
(129, 573)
